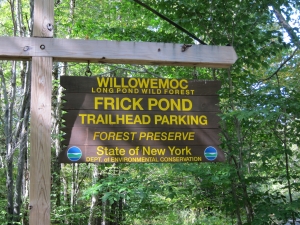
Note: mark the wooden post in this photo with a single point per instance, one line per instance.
(40, 137)
(40, 151)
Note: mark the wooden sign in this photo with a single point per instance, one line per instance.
(42, 49)
(122, 120)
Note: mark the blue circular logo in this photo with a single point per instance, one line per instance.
(74, 153)
(210, 153)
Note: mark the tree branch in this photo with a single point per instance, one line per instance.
(286, 26)
(281, 65)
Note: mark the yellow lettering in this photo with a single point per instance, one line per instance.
(129, 119)
(136, 104)
(91, 119)
(131, 83)
(97, 102)
(165, 104)
(100, 150)
(157, 118)
(153, 83)
(100, 119)
(150, 135)
(143, 83)
(153, 151)
(108, 101)
(179, 151)
(82, 118)
(95, 135)
(163, 83)
(111, 151)
(170, 136)
(111, 103)
(102, 81)
(122, 103)
(142, 135)
(203, 120)
(186, 104)
(164, 136)
(182, 85)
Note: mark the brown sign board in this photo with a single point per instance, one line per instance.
(120, 120)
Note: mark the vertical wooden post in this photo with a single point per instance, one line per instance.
(43, 16)
(40, 137)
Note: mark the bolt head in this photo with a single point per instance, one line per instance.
(49, 26)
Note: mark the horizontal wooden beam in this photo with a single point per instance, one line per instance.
(119, 52)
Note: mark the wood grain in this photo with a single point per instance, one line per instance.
(43, 18)
(40, 139)
(119, 52)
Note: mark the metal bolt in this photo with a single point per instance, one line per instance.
(49, 26)
(26, 48)
(42, 47)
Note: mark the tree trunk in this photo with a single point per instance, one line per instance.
(94, 199)
(56, 168)
(23, 136)
(238, 163)
(66, 201)
(104, 213)
(9, 142)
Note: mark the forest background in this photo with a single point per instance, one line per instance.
(259, 99)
